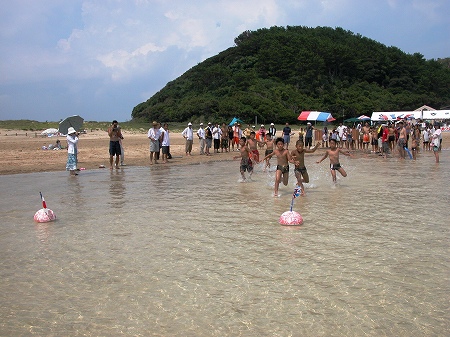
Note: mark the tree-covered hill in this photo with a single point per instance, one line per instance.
(276, 73)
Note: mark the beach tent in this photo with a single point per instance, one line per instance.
(395, 115)
(316, 116)
(436, 114)
(235, 120)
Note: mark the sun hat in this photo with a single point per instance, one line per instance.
(189, 123)
(71, 130)
(201, 123)
(262, 125)
(155, 123)
(272, 124)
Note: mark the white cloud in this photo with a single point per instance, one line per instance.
(143, 44)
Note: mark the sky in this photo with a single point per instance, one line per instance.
(100, 58)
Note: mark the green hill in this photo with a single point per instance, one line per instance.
(276, 73)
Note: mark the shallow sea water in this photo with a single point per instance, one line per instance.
(191, 251)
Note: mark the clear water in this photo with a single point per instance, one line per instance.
(190, 251)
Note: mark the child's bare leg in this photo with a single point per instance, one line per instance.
(342, 172)
(243, 175)
(277, 182)
(285, 178)
(333, 175)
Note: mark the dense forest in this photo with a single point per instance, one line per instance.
(273, 74)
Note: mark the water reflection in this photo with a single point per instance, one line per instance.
(117, 189)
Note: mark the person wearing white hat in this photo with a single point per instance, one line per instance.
(154, 134)
(188, 134)
(201, 139)
(72, 142)
(272, 130)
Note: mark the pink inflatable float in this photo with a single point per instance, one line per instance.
(292, 218)
(44, 214)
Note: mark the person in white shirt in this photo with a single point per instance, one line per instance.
(188, 134)
(216, 136)
(436, 142)
(72, 141)
(201, 138)
(154, 134)
(165, 143)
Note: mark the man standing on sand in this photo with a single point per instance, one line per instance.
(272, 130)
(154, 134)
(287, 135)
(201, 139)
(165, 142)
(188, 134)
(115, 135)
(216, 132)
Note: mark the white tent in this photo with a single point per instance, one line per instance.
(436, 114)
(395, 115)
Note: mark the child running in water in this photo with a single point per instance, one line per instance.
(252, 145)
(333, 153)
(269, 149)
(300, 170)
(246, 158)
(283, 160)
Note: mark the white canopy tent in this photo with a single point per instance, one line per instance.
(395, 115)
(436, 114)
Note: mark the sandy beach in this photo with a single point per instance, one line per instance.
(21, 151)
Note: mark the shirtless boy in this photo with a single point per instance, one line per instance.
(333, 153)
(283, 160)
(300, 170)
(401, 140)
(269, 149)
(246, 161)
(252, 145)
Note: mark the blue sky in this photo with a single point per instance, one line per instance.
(100, 58)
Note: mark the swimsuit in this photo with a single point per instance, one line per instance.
(335, 166)
(300, 169)
(255, 155)
(283, 169)
(246, 165)
(268, 152)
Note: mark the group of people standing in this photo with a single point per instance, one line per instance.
(222, 138)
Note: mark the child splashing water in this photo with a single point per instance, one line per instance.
(283, 160)
(333, 153)
(246, 159)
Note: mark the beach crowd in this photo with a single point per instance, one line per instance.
(402, 139)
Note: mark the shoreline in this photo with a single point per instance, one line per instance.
(24, 154)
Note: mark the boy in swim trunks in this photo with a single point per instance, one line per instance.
(283, 160)
(246, 158)
(300, 170)
(333, 153)
(269, 143)
(252, 145)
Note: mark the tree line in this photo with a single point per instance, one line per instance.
(275, 73)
